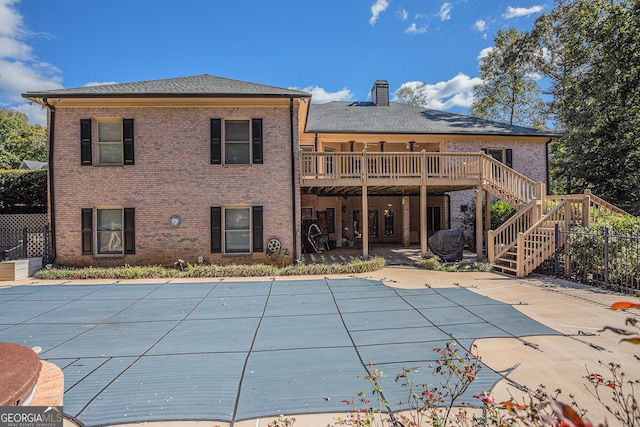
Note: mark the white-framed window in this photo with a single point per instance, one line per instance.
(237, 141)
(109, 231)
(237, 229)
(110, 146)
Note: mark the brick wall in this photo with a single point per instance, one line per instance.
(172, 176)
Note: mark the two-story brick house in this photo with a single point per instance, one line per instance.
(195, 168)
(205, 168)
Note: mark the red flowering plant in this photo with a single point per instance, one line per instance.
(434, 403)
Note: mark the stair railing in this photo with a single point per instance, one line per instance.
(587, 208)
(507, 184)
(538, 243)
(505, 237)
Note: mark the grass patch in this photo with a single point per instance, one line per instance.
(435, 264)
(60, 272)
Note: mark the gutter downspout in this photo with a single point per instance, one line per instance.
(293, 184)
(52, 209)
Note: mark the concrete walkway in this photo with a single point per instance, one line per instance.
(558, 360)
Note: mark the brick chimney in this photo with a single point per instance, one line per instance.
(380, 93)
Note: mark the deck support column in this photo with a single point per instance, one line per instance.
(479, 249)
(365, 222)
(406, 221)
(423, 220)
(487, 215)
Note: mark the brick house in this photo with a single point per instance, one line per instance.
(210, 169)
(195, 168)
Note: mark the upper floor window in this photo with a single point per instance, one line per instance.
(503, 155)
(114, 142)
(109, 147)
(236, 141)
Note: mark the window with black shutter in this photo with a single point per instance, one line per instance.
(258, 229)
(216, 229)
(85, 142)
(236, 141)
(216, 141)
(127, 141)
(129, 231)
(256, 136)
(87, 231)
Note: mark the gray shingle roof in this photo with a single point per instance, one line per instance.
(195, 86)
(366, 117)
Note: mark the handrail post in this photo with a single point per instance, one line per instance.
(365, 167)
(541, 196)
(424, 166)
(491, 248)
(556, 261)
(586, 208)
(520, 257)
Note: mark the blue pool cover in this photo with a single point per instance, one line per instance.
(230, 351)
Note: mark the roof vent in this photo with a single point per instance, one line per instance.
(380, 93)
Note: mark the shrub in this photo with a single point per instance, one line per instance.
(23, 191)
(257, 270)
(500, 213)
(587, 248)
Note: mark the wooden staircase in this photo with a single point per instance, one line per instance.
(528, 238)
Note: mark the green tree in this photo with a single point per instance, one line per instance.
(19, 140)
(592, 58)
(413, 95)
(509, 91)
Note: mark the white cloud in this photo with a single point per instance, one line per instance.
(376, 9)
(413, 29)
(20, 70)
(321, 96)
(404, 14)
(516, 12)
(445, 11)
(10, 21)
(454, 93)
(480, 25)
(484, 52)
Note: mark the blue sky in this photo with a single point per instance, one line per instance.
(334, 49)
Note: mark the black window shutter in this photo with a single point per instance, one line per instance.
(216, 229)
(256, 133)
(85, 142)
(129, 230)
(87, 231)
(258, 228)
(508, 157)
(127, 141)
(216, 141)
